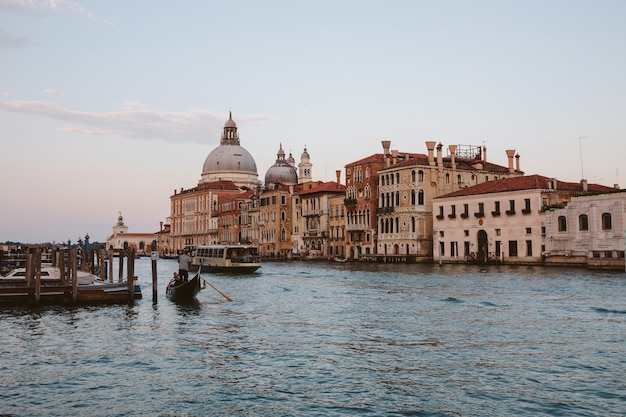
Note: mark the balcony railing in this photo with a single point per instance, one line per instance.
(384, 210)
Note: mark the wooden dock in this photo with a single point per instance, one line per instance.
(31, 289)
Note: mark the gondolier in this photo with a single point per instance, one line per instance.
(183, 266)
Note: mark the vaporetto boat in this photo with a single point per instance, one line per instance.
(225, 258)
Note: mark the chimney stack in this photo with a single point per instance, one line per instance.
(484, 153)
(510, 153)
(452, 155)
(430, 145)
(584, 185)
(439, 155)
(386, 145)
(338, 173)
(517, 163)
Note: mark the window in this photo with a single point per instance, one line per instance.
(513, 248)
(420, 175)
(466, 233)
(440, 215)
(511, 209)
(562, 221)
(606, 221)
(529, 230)
(283, 199)
(526, 209)
(413, 176)
(496, 209)
(481, 210)
(583, 222)
(452, 214)
(498, 232)
(454, 249)
(465, 214)
(420, 197)
(529, 248)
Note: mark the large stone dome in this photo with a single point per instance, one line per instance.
(230, 161)
(281, 172)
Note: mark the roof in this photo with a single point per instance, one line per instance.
(526, 182)
(377, 157)
(461, 164)
(326, 187)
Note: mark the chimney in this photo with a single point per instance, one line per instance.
(584, 185)
(394, 157)
(510, 153)
(386, 145)
(452, 155)
(439, 155)
(161, 226)
(484, 153)
(338, 173)
(430, 145)
(517, 163)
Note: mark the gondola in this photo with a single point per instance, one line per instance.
(184, 291)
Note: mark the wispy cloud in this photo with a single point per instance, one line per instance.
(134, 120)
(10, 41)
(51, 92)
(36, 6)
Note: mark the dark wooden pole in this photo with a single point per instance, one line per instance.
(131, 274)
(74, 273)
(36, 261)
(120, 258)
(155, 292)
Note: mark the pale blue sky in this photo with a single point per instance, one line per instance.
(109, 106)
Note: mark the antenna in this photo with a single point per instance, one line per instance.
(580, 145)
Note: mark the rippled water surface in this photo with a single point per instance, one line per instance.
(330, 339)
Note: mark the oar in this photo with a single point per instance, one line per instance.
(221, 293)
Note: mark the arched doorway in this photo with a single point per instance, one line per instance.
(483, 246)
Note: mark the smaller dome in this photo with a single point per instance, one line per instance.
(281, 172)
(230, 122)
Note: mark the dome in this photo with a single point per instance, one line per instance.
(229, 158)
(230, 161)
(281, 171)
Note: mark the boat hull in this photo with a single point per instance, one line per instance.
(186, 291)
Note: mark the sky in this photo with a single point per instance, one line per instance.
(109, 106)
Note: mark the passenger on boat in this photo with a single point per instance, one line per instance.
(175, 280)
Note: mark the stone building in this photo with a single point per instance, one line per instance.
(229, 170)
(407, 185)
(590, 230)
(501, 220)
(121, 239)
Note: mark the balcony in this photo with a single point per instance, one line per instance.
(311, 213)
(526, 211)
(464, 216)
(510, 212)
(384, 210)
(439, 216)
(452, 216)
(349, 201)
(495, 213)
(356, 227)
(479, 215)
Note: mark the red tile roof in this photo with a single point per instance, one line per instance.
(326, 187)
(526, 182)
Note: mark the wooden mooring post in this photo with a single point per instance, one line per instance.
(155, 292)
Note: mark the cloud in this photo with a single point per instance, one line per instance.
(51, 91)
(9, 41)
(134, 120)
(35, 6)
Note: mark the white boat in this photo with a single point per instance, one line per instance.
(50, 273)
(225, 258)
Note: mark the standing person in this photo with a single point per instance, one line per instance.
(183, 265)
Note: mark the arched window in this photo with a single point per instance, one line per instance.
(447, 178)
(420, 198)
(397, 198)
(583, 222)
(562, 224)
(606, 221)
(413, 224)
(283, 234)
(413, 176)
(458, 179)
(420, 175)
(397, 178)
(413, 197)
(283, 216)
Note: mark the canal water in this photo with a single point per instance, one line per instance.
(330, 339)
